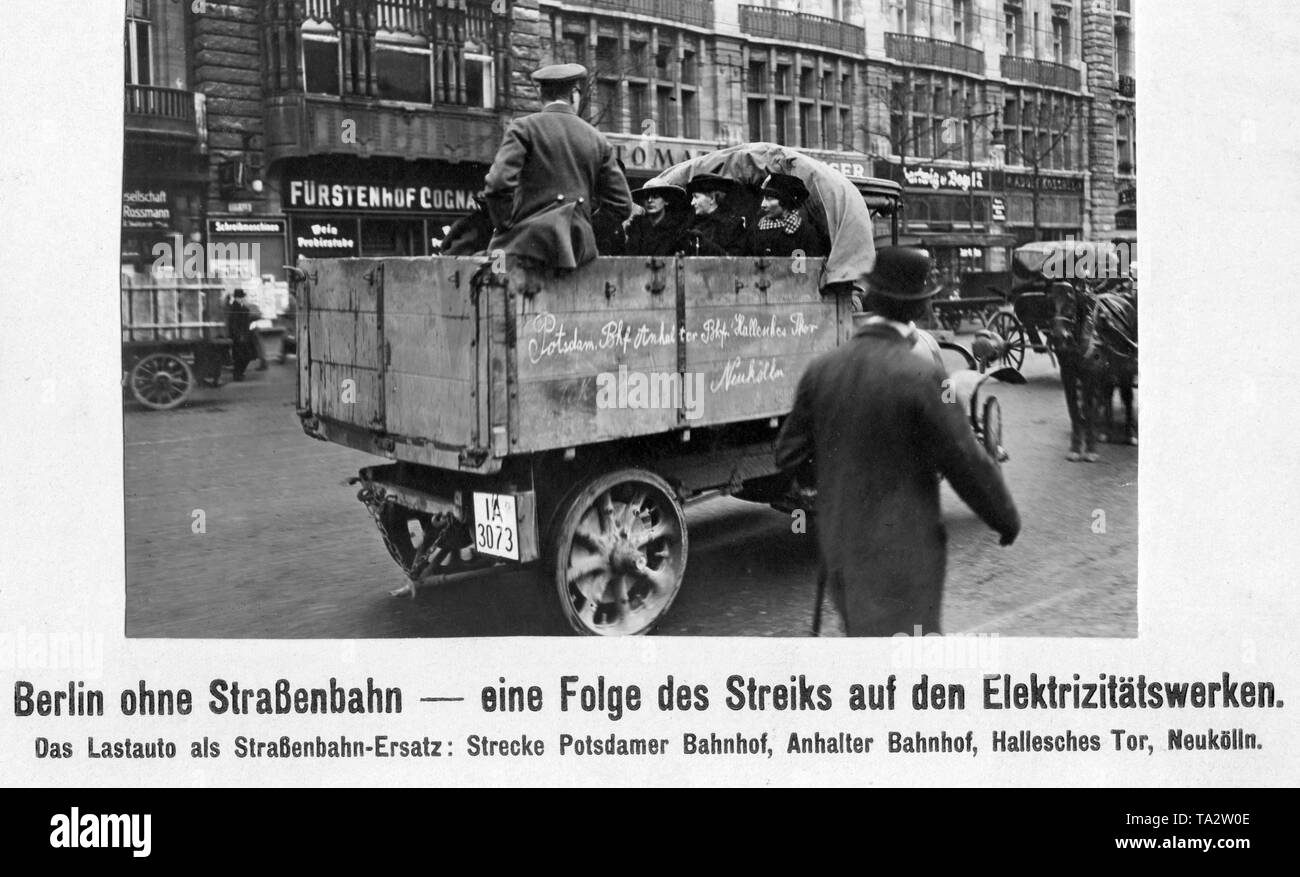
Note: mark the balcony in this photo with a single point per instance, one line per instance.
(1040, 73)
(802, 27)
(935, 53)
(167, 113)
(1126, 86)
(696, 13)
(299, 124)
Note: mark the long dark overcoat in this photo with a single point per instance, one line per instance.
(872, 419)
(552, 171)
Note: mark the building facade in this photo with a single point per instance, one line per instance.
(364, 127)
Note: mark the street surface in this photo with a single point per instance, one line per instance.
(288, 551)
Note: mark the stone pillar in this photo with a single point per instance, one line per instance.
(1099, 55)
(525, 55)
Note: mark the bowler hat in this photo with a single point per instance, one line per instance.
(556, 73)
(671, 194)
(786, 188)
(709, 183)
(901, 272)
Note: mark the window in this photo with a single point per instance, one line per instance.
(782, 121)
(757, 78)
(828, 128)
(575, 48)
(605, 109)
(805, 126)
(403, 69)
(320, 58)
(846, 131)
(806, 82)
(480, 81)
(961, 22)
(1014, 36)
(688, 74)
(638, 57)
(137, 43)
(667, 111)
(1061, 40)
(757, 113)
(690, 116)
(782, 79)
(846, 89)
(607, 57)
(638, 106)
(828, 86)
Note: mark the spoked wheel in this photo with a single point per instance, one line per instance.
(993, 430)
(1014, 340)
(161, 381)
(617, 553)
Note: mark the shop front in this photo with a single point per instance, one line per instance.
(645, 158)
(339, 206)
(951, 212)
(1060, 206)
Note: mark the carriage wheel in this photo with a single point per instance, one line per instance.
(617, 553)
(1014, 339)
(161, 381)
(993, 429)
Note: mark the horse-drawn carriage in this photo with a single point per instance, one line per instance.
(565, 419)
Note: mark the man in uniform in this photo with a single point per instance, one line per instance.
(657, 231)
(875, 424)
(781, 230)
(552, 171)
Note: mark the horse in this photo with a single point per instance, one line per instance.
(1094, 334)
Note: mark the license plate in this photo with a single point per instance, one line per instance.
(496, 525)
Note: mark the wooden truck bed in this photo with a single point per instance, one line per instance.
(438, 361)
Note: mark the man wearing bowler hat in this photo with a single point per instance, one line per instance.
(873, 426)
(551, 173)
(658, 230)
(781, 230)
(715, 230)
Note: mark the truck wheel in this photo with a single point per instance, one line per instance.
(617, 553)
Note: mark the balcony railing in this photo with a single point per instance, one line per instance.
(154, 110)
(1126, 86)
(697, 13)
(801, 27)
(1040, 72)
(936, 53)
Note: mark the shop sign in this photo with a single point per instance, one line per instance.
(245, 226)
(1128, 196)
(324, 239)
(305, 194)
(145, 208)
(936, 178)
(999, 210)
(854, 167)
(239, 207)
(1046, 183)
(654, 153)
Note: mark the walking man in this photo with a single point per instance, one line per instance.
(552, 171)
(874, 426)
(239, 321)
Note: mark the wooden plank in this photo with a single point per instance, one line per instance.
(429, 407)
(565, 412)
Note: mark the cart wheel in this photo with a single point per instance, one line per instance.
(993, 429)
(1014, 340)
(617, 553)
(161, 381)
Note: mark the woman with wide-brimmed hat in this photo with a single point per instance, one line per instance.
(781, 230)
(658, 230)
(715, 230)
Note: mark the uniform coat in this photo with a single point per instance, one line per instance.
(871, 419)
(779, 242)
(720, 233)
(647, 238)
(552, 171)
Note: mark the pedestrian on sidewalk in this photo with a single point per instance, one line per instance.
(873, 427)
(239, 322)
